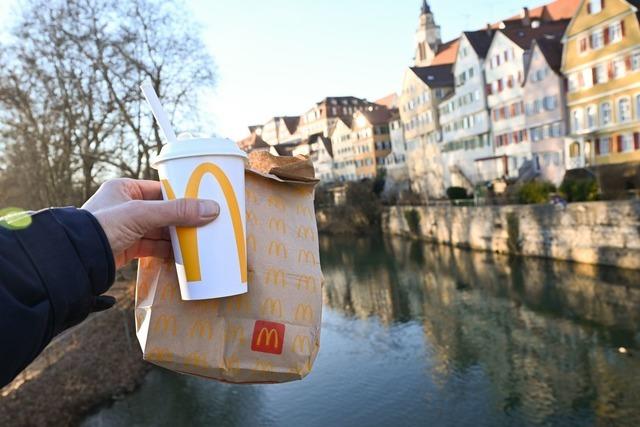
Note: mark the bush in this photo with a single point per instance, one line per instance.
(535, 192)
(413, 220)
(579, 190)
(457, 193)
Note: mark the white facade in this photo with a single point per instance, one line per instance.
(343, 153)
(504, 71)
(464, 119)
(396, 161)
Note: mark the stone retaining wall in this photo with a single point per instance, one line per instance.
(605, 233)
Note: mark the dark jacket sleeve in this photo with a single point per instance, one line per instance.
(51, 275)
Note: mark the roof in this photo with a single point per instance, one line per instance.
(291, 122)
(557, 10)
(380, 116)
(552, 52)
(480, 41)
(389, 101)
(341, 98)
(252, 142)
(447, 53)
(523, 36)
(285, 149)
(435, 75)
(324, 141)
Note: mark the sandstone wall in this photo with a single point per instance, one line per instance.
(605, 233)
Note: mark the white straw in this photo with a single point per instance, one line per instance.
(158, 111)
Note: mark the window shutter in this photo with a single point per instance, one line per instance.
(636, 140)
(488, 89)
(622, 27)
(619, 143)
(602, 4)
(606, 36)
(590, 39)
(583, 45)
(589, 8)
(594, 76)
(610, 69)
(597, 146)
(628, 63)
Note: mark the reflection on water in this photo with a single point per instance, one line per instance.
(429, 335)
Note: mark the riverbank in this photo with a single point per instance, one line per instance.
(97, 361)
(605, 233)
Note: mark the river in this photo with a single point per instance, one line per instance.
(416, 334)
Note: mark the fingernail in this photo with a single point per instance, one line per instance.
(209, 209)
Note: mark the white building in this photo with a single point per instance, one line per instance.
(504, 71)
(343, 151)
(464, 117)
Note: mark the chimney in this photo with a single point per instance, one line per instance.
(489, 29)
(526, 17)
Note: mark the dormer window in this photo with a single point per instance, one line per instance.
(595, 6)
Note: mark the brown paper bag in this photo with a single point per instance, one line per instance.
(270, 334)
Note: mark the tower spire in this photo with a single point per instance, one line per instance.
(425, 7)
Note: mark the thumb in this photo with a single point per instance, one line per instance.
(180, 212)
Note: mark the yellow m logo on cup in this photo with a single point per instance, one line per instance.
(304, 313)
(272, 306)
(302, 345)
(188, 236)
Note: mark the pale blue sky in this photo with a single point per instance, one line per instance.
(278, 57)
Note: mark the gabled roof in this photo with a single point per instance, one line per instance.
(447, 53)
(551, 50)
(291, 122)
(252, 142)
(321, 139)
(285, 149)
(380, 116)
(480, 41)
(389, 101)
(557, 10)
(435, 75)
(523, 36)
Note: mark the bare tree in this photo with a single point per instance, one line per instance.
(70, 105)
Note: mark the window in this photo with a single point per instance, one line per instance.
(594, 6)
(635, 61)
(576, 120)
(582, 45)
(597, 39)
(619, 68)
(591, 117)
(624, 110)
(604, 145)
(625, 143)
(605, 113)
(573, 82)
(601, 73)
(615, 32)
(470, 72)
(550, 103)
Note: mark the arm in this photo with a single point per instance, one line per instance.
(53, 272)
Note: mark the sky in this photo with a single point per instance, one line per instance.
(279, 57)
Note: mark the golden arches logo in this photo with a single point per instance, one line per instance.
(278, 249)
(238, 304)
(306, 282)
(263, 365)
(251, 196)
(275, 276)
(300, 344)
(188, 236)
(306, 233)
(251, 242)
(160, 354)
(276, 202)
(196, 359)
(306, 257)
(277, 225)
(232, 362)
(304, 313)
(252, 218)
(165, 323)
(168, 292)
(270, 338)
(202, 328)
(304, 210)
(272, 306)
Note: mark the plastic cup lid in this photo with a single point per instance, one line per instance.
(195, 147)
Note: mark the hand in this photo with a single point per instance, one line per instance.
(135, 219)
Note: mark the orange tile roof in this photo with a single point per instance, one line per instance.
(559, 9)
(388, 101)
(447, 53)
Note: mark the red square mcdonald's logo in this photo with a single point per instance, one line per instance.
(268, 337)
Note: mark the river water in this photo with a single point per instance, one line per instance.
(415, 334)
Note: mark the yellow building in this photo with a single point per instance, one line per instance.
(601, 60)
(371, 141)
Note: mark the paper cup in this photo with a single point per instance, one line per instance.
(211, 261)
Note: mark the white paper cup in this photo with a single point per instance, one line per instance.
(211, 261)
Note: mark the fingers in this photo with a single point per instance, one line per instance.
(149, 190)
(151, 215)
(158, 234)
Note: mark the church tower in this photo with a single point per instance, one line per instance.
(427, 37)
